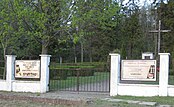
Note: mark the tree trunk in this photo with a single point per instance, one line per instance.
(81, 52)
(90, 58)
(129, 51)
(75, 56)
(90, 55)
(44, 49)
(90, 52)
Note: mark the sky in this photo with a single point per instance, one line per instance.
(142, 1)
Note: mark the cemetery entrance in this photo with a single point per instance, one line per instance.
(90, 77)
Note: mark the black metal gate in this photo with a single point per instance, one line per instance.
(79, 79)
(2, 70)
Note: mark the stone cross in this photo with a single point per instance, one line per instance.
(159, 34)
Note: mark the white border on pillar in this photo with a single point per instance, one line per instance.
(44, 79)
(114, 73)
(164, 74)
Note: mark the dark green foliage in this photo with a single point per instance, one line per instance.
(62, 74)
(171, 72)
(166, 15)
(77, 65)
(80, 69)
(58, 74)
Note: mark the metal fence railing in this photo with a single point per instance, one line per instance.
(171, 77)
(79, 77)
(2, 70)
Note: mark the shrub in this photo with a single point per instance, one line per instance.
(171, 72)
(62, 71)
(82, 72)
(62, 74)
(57, 74)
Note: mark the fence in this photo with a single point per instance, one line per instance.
(171, 76)
(79, 77)
(2, 69)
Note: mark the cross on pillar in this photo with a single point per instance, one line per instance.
(159, 34)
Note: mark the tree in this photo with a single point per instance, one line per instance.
(148, 23)
(7, 29)
(93, 21)
(166, 14)
(43, 20)
(131, 31)
(13, 28)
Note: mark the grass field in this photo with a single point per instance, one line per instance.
(101, 103)
(160, 100)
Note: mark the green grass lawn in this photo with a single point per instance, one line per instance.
(101, 103)
(73, 81)
(160, 100)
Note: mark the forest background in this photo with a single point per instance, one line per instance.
(84, 30)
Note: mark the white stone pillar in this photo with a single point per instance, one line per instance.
(44, 79)
(10, 71)
(114, 74)
(163, 73)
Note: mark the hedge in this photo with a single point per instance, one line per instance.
(62, 74)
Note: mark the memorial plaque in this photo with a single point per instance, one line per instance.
(140, 70)
(27, 69)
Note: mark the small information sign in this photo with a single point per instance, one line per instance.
(27, 69)
(141, 70)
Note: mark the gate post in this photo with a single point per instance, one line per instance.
(10, 62)
(164, 74)
(44, 79)
(114, 74)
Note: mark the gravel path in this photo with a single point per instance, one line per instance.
(50, 99)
